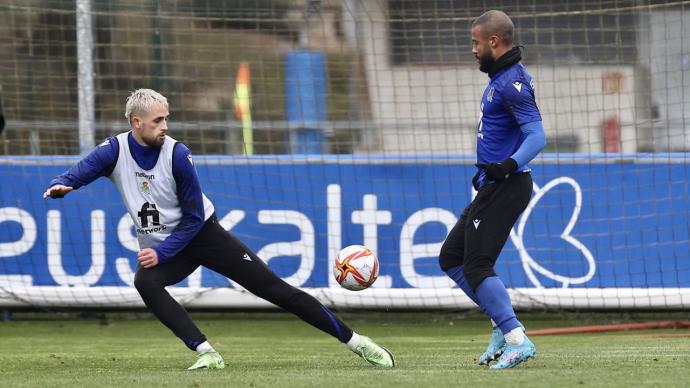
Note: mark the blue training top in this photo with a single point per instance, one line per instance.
(101, 162)
(510, 123)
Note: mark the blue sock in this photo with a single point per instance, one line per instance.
(495, 301)
(458, 277)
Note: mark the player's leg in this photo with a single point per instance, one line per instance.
(451, 257)
(151, 283)
(228, 256)
(495, 210)
(451, 262)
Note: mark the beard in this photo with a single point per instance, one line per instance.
(155, 142)
(486, 62)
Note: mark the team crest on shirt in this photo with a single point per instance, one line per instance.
(144, 188)
(490, 96)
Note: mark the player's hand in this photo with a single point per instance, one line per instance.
(498, 172)
(147, 257)
(57, 191)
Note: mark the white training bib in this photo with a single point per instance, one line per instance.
(150, 196)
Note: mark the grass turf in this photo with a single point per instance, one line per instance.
(278, 350)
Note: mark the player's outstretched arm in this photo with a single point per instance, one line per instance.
(99, 162)
(57, 191)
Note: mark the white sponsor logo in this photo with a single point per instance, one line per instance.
(517, 86)
(476, 223)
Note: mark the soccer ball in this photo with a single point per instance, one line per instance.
(356, 267)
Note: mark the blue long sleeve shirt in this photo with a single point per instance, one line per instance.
(101, 162)
(510, 124)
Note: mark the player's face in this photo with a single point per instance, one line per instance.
(151, 128)
(481, 48)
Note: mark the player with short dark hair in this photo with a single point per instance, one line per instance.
(178, 231)
(509, 135)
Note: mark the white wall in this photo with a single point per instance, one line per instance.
(666, 53)
(435, 108)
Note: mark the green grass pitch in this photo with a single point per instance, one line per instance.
(432, 349)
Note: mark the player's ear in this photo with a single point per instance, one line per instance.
(136, 122)
(494, 41)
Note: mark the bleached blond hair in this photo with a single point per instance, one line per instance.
(141, 101)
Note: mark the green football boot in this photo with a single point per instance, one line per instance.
(374, 354)
(208, 360)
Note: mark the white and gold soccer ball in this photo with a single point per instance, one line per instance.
(356, 267)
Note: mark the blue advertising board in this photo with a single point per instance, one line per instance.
(589, 225)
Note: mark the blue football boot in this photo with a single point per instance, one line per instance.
(514, 355)
(495, 348)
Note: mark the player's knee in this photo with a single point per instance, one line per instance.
(294, 296)
(274, 290)
(442, 257)
(478, 270)
(287, 297)
(448, 258)
(144, 280)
